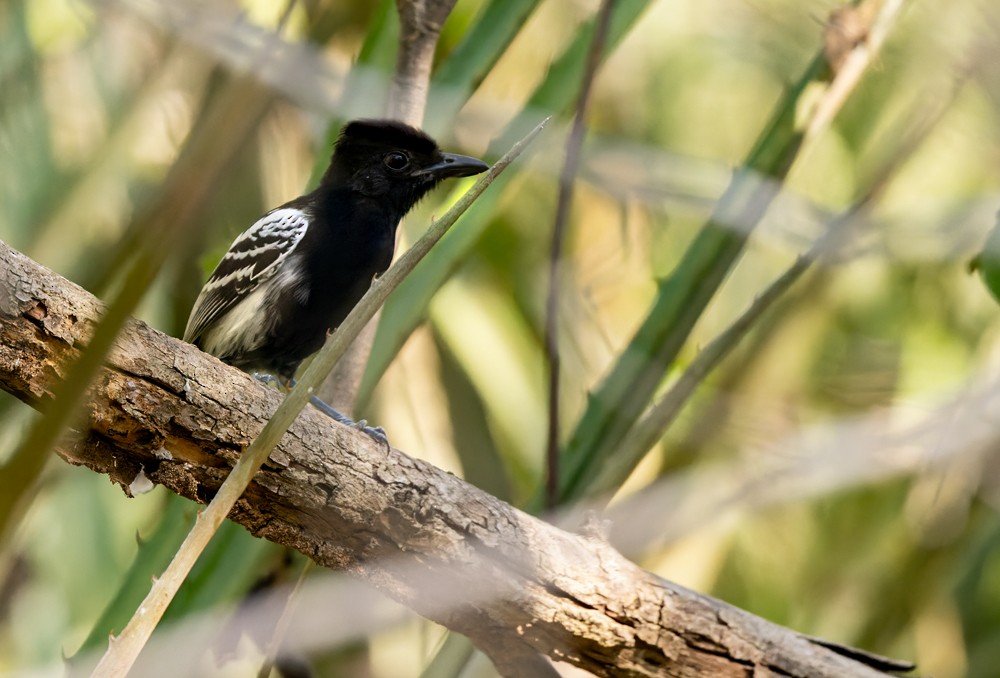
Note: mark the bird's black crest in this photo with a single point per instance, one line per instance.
(387, 133)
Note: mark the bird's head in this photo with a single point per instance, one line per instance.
(392, 162)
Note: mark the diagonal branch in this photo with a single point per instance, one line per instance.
(445, 549)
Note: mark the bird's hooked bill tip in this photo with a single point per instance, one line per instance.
(454, 165)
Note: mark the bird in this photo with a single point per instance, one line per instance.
(292, 277)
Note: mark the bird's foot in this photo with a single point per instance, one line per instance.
(376, 433)
(267, 379)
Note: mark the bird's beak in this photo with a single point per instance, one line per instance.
(454, 165)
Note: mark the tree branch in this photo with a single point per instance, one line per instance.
(447, 550)
(420, 24)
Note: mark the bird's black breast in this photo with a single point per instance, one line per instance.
(354, 241)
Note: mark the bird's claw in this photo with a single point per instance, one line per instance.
(376, 433)
(266, 379)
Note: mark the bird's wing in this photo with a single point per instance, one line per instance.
(254, 256)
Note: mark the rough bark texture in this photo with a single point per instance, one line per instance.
(420, 24)
(438, 545)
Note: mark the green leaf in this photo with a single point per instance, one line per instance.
(987, 263)
(365, 92)
(231, 563)
(225, 571)
(469, 63)
(152, 558)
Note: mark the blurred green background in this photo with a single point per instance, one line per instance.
(839, 473)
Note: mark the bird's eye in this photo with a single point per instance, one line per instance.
(396, 161)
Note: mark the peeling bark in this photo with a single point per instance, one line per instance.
(440, 546)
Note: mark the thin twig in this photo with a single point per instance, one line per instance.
(273, 648)
(853, 67)
(123, 650)
(565, 200)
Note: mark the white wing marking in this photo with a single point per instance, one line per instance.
(254, 257)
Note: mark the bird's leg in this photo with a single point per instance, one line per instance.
(377, 433)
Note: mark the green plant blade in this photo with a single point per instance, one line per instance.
(225, 571)
(473, 58)
(683, 296)
(153, 555)
(987, 263)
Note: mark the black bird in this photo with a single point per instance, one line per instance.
(296, 273)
